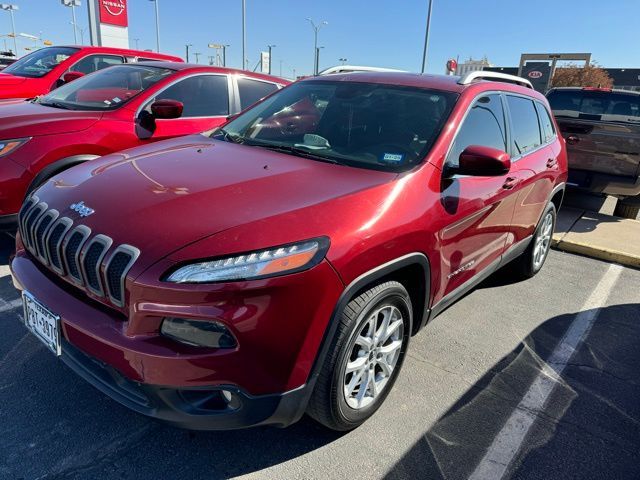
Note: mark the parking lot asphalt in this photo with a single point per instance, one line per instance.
(462, 384)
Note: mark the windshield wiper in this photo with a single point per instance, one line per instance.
(56, 105)
(295, 151)
(230, 137)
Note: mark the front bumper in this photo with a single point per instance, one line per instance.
(279, 324)
(191, 408)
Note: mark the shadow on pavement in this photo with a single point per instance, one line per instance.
(7, 247)
(591, 424)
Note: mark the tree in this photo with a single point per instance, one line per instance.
(588, 76)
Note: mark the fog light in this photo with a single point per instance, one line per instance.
(199, 333)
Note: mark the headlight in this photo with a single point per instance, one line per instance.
(8, 146)
(260, 264)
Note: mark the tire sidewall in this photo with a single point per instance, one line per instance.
(399, 298)
(550, 208)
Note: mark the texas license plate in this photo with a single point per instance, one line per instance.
(42, 322)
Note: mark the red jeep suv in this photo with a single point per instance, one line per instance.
(281, 264)
(110, 110)
(48, 68)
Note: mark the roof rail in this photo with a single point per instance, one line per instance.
(484, 75)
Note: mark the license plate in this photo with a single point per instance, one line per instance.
(42, 322)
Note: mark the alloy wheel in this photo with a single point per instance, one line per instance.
(543, 241)
(373, 356)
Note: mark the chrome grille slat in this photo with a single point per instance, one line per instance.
(41, 230)
(91, 261)
(116, 270)
(72, 252)
(54, 239)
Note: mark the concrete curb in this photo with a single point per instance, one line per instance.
(599, 236)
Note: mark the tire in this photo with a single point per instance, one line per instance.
(331, 404)
(532, 259)
(626, 211)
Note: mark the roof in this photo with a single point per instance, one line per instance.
(123, 51)
(355, 68)
(180, 66)
(437, 82)
(448, 83)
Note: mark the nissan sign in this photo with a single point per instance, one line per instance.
(114, 12)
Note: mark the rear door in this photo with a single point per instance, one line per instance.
(206, 105)
(251, 90)
(602, 129)
(534, 163)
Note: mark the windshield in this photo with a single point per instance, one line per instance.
(106, 89)
(40, 62)
(596, 105)
(368, 125)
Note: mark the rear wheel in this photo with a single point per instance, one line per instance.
(626, 211)
(364, 359)
(533, 258)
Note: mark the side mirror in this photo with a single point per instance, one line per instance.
(167, 109)
(71, 76)
(480, 161)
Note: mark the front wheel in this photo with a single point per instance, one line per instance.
(365, 357)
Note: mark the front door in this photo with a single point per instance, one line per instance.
(478, 210)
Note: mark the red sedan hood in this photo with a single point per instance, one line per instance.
(163, 197)
(27, 119)
(6, 80)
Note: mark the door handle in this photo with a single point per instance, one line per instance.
(552, 163)
(510, 183)
(573, 139)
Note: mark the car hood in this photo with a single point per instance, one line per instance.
(7, 80)
(27, 119)
(162, 197)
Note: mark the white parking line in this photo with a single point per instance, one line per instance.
(507, 443)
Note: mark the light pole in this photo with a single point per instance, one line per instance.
(81, 30)
(73, 4)
(157, 24)
(197, 54)
(316, 29)
(317, 66)
(137, 40)
(10, 8)
(270, 47)
(426, 37)
(343, 61)
(244, 34)
(187, 47)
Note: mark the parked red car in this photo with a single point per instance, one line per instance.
(110, 110)
(250, 276)
(48, 68)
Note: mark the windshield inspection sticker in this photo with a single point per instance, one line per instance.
(392, 157)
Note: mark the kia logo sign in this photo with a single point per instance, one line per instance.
(535, 74)
(113, 12)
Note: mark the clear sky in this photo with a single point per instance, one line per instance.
(366, 32)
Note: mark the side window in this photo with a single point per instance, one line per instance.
(548, 131)
(93, 63)
(202, 95)
(524, 119)
(484, 125)
(253, 90)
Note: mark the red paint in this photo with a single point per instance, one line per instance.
(12, 86)
(114, 12)
(192, 198)
(59, 134)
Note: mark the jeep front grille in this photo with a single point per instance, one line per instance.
(72, 252)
